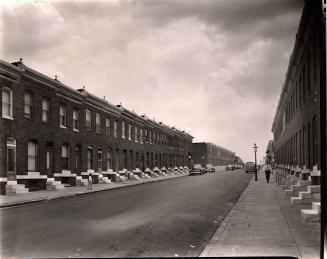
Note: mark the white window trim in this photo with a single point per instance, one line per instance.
(11, 117)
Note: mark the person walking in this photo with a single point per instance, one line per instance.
(89, 180)
(268, 171)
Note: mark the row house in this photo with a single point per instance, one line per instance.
(51, 130)
(297, 122)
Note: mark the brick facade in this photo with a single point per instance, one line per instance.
(296, 126)
(167, 146)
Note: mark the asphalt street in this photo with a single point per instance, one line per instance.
(166, 218)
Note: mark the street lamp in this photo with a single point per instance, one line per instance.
(255, 147)
(203, 160)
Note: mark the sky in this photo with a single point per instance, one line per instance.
(214, 68)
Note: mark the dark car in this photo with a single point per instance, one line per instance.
(250, 167)
(209, 168)
(197, 171)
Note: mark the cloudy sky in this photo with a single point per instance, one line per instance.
(213, 68)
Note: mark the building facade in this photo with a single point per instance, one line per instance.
(297, 122)
(207, 153)
(50, 128)
(270, 153)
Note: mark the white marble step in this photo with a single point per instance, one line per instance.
(310, 215)
(13, 188)
(314, 188)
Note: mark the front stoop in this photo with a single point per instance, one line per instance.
(13, 188)
(306, 197)
(103, 179)
(53, 185)
(313, 214)
(80, 181)
(295, 189)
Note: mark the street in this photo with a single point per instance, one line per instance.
(166, 218)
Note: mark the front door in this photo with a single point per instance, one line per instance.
(49, 158)
(11, 159)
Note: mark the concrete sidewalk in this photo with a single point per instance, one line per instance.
(44, 195)
(264, 223)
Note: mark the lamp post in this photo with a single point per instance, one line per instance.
(255, 147)
(203, 161)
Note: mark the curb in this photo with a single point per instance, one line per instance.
(16, 204)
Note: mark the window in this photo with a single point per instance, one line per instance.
(63, 118)
(7, 103)
(11, 155)
(304, 83)
(135, 134)
(141, 135)
(89, 158)
(314, 57)
(28, 105)
(75, 119)
(300, 91)
(123, 129)
(65, 157)
(32, 154)
(146, 136)
(97, 123)
(129, 131)
(314, 141)
(296, 96)
(115, 129)
(45, 110)
(88, 123)
(99, 160)
(109, 159)
(309, 76)
(107, 127)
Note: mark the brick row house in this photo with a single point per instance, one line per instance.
(49, 130)
(299, 125)
(296, 125)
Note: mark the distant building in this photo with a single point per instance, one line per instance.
(207, 153)
(239, 161)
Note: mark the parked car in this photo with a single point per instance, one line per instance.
(230, 167)
(209, 168)
(249, 167)
(197, 170)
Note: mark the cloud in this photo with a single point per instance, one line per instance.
(212, 68)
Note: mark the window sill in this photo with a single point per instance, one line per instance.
(7, 118)
(76, 130)
(63, 127)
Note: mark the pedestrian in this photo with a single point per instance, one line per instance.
(89, 182)
(268, 171)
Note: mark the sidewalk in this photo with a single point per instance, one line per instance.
(44, 195)
(264, 223)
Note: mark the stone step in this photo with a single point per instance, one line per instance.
(310, 215)
(289, 192)
(314, 188)
(296, 200)
(316, 206)
(304, 183)
(305, 195)
(13, 189)
(297, 188)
